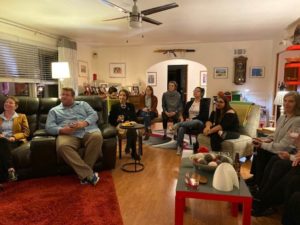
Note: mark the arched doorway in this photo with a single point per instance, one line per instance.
(161, 71)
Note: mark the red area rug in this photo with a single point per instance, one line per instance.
(60, 201)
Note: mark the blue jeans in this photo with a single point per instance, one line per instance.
(147, 117)
(184, 126)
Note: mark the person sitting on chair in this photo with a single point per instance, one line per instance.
(222, 124)
(148, 111)
(14, 131)
(171, 105)
(195, 114)
(122, 112)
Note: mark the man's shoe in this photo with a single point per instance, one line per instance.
(179, 150)
(93, 179)
(12, 175)
(147, 136)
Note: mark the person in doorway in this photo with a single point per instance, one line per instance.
(75, 123)
(171, 105)
(14, 131)
(148, 111)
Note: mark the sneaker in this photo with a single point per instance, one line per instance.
(179, 150)
(12, 175)
(93, 179)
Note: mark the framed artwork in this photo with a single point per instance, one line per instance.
(220, 72)
(257, 71)
(152, 78)
(135, 90)
(103, 87)
(117, 70)
(203, 78)
(82, 69)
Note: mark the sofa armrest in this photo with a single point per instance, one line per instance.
(108, 131)
(43, 155)
(40, 132)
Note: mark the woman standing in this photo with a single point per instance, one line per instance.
(148, 111)
(195, 114)
(222, 124)
(122, 112)
(14, 131)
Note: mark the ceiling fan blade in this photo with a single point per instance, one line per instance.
(159, 9)
(149, 20)
(119, 18)
(115, 6)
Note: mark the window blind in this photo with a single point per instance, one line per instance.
(19, 60)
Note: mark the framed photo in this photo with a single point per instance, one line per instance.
(82, 69)
(220, 72)
(103, 87)
(117, 70)
(152, 78)
(257, 71)
(135, 90)
(203, 78)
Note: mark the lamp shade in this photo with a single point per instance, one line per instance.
(279, 97)
(60, 70)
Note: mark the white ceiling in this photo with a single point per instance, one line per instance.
(193, 21)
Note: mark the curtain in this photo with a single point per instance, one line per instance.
(67, 52)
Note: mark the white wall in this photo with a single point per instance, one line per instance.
(139, 59)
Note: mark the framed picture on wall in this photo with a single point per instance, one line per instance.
(82, 69)
(152, 78)
(257, 72)
(135, 90)
(203, 78)
(220, 72)
(117, 70)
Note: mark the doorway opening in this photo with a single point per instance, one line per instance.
(178, 73)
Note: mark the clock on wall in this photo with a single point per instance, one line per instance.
(240, 67)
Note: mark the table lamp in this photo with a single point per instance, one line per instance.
(60, 71)
(279, 100)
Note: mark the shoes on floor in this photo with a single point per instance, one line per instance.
(12, 175)
(179, 150)
(91, 180)
(135, 156)
(147, 136)
(127, 150)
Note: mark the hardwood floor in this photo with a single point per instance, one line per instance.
(148, 197)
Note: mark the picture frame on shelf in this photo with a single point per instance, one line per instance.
(152, 78)
(257, 72)
(203, 78)
(83, 69)
(103, 87)
(221, 72)
(117, 70)
(135, 90)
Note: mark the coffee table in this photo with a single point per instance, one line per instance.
(207, 192)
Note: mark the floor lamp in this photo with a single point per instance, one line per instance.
(60, 71)
(279, 100)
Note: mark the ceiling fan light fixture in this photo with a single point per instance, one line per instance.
(135, 21)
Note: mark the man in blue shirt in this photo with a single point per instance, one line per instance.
(75, 124)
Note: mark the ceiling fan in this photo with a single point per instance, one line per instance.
(292, 33)
(136, 17)
(173, 51)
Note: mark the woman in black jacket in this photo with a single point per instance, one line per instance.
(222, 124)
(195, 114)
(120, 113)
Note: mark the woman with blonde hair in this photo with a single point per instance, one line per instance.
(14, 131)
